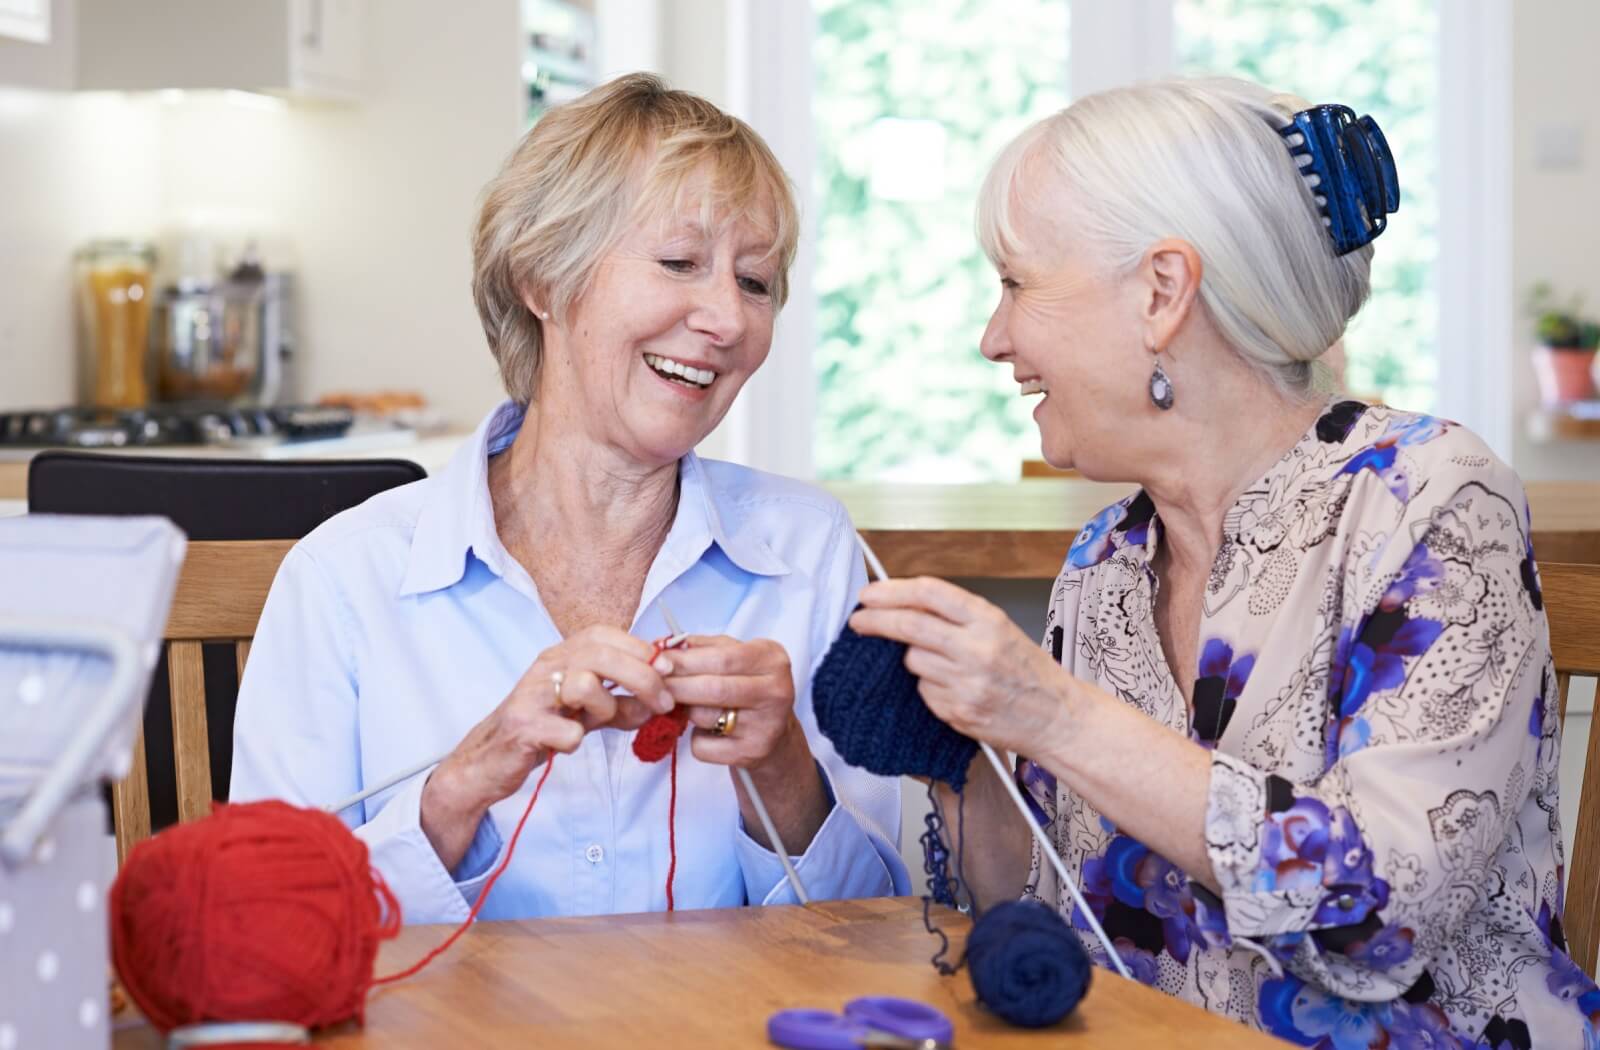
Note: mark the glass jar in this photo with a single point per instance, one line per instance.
(113, 287)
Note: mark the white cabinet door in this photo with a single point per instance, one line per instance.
(326, 42)
(25, 20)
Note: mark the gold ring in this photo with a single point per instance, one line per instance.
(556, 678)
(726, 721)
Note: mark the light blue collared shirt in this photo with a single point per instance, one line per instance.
(397, 626)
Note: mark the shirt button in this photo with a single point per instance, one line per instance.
(1345, 902)
(594, 854)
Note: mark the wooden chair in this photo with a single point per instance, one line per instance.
(215, 501)
(1572, 604)
(220, 593)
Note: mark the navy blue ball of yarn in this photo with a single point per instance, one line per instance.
(867, 704)
(1028, 966)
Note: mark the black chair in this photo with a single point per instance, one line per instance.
(209, 499)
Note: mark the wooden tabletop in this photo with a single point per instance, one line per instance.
(708, 979)
(1022, 529)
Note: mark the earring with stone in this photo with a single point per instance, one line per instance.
(1160, 387)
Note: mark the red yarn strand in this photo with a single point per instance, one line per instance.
(672, 831)
(483, 896)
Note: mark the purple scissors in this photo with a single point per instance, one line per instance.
(875, 1021)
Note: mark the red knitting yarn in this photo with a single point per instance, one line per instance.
(655, 740)
(260, 911)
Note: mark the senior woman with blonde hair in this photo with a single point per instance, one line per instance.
(1293, 725)
(629, 262)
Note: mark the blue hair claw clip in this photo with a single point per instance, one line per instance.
(1347, 163)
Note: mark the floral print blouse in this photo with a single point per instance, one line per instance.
(1376, 688)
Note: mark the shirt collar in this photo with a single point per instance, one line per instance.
(457, 517)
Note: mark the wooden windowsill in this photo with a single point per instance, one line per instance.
(1579, 421)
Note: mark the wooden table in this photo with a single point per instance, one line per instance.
(1022, 529)
(711, 978)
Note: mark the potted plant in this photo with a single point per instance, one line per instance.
(1563, 360)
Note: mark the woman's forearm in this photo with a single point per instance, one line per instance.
(987, 833)
(792, 789)
(449, 819)
(1146, 779)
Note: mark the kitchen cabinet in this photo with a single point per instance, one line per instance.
(309, 48)
(37, 44)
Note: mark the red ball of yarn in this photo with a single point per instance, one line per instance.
(261, 911)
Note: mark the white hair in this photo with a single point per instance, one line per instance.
(1200, 160)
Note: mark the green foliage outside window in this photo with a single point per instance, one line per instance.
(903, 289)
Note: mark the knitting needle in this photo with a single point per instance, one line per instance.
(755, 796)
(676, 640)
(1010, 784)
(384, 785)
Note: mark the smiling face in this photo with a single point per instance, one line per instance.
(678, 316)
(1072, 337)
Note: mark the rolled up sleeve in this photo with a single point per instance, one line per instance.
(843, 860)
(855, 853)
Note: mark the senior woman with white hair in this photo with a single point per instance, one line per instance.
(1293, 725)
(629, 262)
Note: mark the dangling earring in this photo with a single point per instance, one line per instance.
(1160, 387)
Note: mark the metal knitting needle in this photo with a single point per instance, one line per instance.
(1009, 783)
(384, 785)
(755, 796)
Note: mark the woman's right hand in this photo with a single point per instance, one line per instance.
(494, 759)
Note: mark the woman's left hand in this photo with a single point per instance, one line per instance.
(979, 673)
(717, 675)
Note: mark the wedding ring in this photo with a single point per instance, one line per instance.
(726, 721)
(556, 678)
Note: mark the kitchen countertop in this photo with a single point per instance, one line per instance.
(1007, 530)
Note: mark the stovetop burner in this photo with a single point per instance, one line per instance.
(168, 425)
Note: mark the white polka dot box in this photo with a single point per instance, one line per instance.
(83, 602)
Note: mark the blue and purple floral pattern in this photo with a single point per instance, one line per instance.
(1372, 683)
(1218, 685)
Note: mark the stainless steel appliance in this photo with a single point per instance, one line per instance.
(226, 340)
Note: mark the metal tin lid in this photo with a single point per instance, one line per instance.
(223, 1034)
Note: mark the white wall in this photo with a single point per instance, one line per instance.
(1556, 210)
(72, 169)
(373, 204)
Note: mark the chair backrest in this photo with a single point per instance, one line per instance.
(219, 598)
(215, 501)
(1572, 604)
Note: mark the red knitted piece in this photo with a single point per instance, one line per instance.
(658, 737)
(261, 910)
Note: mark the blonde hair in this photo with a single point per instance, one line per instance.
(1200, 160)
(588, 171)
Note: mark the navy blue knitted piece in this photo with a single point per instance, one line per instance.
(866, 702)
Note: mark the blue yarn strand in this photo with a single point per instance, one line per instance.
(942, 887)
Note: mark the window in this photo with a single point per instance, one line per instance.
(912, 100)
(1379, 58)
